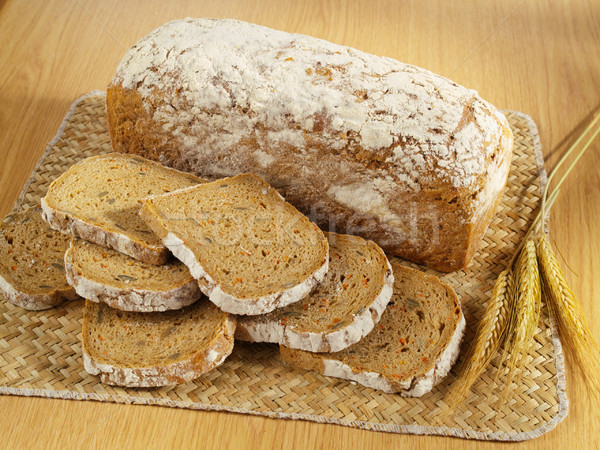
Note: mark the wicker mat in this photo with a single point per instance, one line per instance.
(40, 352)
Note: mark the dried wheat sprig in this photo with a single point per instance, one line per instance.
(524, 318)
(488, 339)
(572, 326)
(526, 283)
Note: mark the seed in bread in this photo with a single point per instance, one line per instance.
(136, 349)
(250, 250)
(340, 311)
(412, 348)
(98, 200)
(105, 275)
(32, 274)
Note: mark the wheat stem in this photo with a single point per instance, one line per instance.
(533, 228)
(564, 158)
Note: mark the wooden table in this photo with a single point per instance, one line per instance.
(535, 56)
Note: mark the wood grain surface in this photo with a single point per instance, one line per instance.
(535, 56)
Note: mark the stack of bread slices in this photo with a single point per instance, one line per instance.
(173, 268)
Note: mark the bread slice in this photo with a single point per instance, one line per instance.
(340, 311)
(411, 349)
(98, 200)
(32, 274)
(136, 349)
(250, 250)
(104, 275)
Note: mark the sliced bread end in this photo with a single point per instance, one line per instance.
(36, 301)
(132, 299)
(232, 304)
(98, 199)
(31, 262)
(250, 250)
(259, 331)
(228, 302)
(414, 387)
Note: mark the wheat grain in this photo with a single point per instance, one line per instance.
(488, 339)
(572, 326)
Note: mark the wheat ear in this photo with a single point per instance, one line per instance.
(572, 326)
(488, 339)
(524, 317)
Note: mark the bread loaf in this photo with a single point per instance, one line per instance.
(362, 144)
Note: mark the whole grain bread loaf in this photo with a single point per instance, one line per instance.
(361, 144)
(340, 311)
(98, 200)
(137, 349)
(32, 274)
(250, 250)
(105, 275)
(412, 348)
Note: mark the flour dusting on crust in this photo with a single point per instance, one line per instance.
(418, 122)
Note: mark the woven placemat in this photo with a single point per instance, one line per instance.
(40, 352)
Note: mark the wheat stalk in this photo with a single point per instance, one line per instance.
(513, 311)
(545, 208)
(488, 339)
(572, 325)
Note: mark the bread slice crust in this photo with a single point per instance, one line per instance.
(89, 201)
(192, 240)
(31, 267)
(175, 369)
(352, 284)
(105, 275)
(363, 362)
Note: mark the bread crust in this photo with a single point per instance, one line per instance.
(68, 224)
(35, 302)
(385, 179)
(140, 300)
(180, 372)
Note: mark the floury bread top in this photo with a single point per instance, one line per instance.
(362, 144)
(274, 73)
